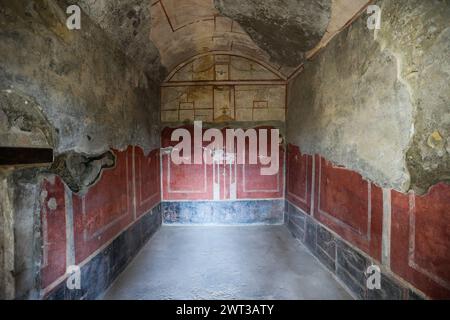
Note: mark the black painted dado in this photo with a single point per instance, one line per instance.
(98, 274)
(347, 263)
(326, 248)
(351, 267)
(224, 212)
(296, 222)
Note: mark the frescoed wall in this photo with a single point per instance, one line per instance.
(223, 91)
(77, 229)
(350, 223)
(420, 239)
(224, 180)
(224, 192)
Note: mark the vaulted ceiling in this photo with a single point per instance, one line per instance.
(278, 33)
(184, 29)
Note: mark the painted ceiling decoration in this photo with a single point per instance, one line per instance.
(223, 88)
(223, 66)
(279, 34)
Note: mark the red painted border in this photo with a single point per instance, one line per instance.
(122, 195)
(106, 209)
(195, 182)
(420, 243)
(349, 205)
(299, 178)
(147, 180)
(53, 231)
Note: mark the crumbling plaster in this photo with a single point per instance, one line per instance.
(7, 290)
(79, 92)
(285, 29)
(128, 23)
(91, 93)
(378, 101)
(418, 34)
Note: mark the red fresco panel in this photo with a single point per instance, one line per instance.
(195, 182)
(53, 218)
(420, 243)
(251, 184)
(147, 180)
(299, 178)
(186, 181)
(106, 209)
(350, 206)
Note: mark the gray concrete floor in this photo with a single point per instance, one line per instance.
(254, 262)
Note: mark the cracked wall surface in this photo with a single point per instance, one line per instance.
(88, 89)
(80, 171)
(128, 23)
(82, 93)
(378, 102)
(22, 123)
(6, 241)
(418, 33)
(285, 29)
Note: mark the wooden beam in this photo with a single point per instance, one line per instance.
(11, 156)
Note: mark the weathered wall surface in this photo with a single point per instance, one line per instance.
(285, 29)
(80, 92)
(418, 33)
(379, 103)
(25, 199)
(22, 123)
(6, 241)
(128, 23)
(87, 88)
